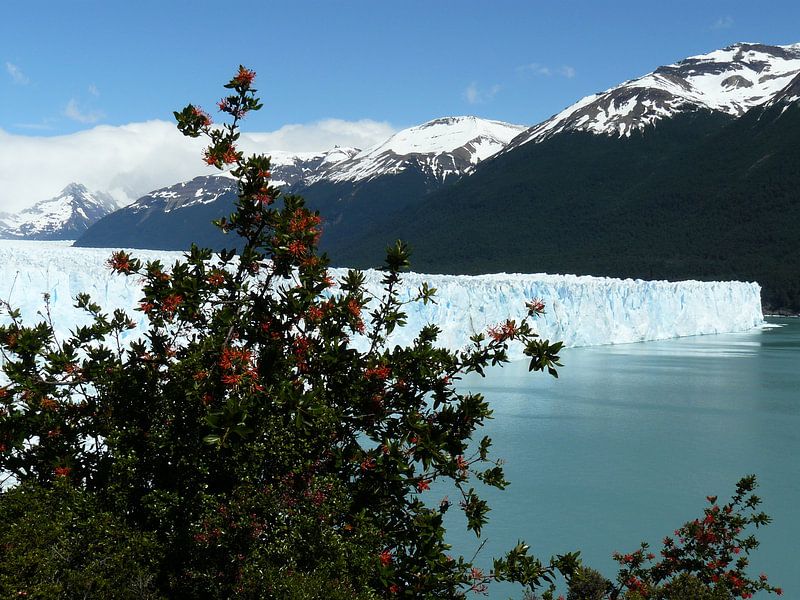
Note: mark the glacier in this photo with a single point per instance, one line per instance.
(580, 310)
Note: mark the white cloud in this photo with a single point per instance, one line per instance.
(535, 69)
(475, 95)
(17, 76)
(130, 160)
(567, 71)
(93, 90)
(76, 114)
(320, 135)
(545, 71)
(725, 22)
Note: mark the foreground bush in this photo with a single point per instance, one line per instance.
(263, 439)
(245, 435)
(57, 542)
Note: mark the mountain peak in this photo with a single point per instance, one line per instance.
(74, 188)
(63, 217)
(731, 80)
(441, 147)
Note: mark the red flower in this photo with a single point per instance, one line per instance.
(201, 116)
(354, 308)
(231, 379)
(297, 248)
(244, 77)
(461, 464)
(171, 302)
(210, 157)
(503, 332)
(394, 588)
(119, 262)
(229, 155)
(423, 484)
(535, 306)
(381, 373)
(49, 404)
(314, 313)
(216, 279)
(386, 558)
(62, 471)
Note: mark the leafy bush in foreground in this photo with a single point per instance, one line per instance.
(245, 434)
(263, 439)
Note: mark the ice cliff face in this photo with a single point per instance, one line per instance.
(581, 311)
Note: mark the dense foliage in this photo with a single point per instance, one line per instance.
(246, 435)
(264, 439)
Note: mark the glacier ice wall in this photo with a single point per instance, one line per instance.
(581, 310)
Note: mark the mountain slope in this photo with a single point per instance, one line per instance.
(439, 149)
(170, 218)
(703, 195)
(359, 194)
(63, 217)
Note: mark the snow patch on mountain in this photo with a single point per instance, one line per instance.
(580, 310)
(731, 80)
(200, 190)
(441, 148)
(296, 169)
(288, 169)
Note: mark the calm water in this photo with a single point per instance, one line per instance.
(627, 443)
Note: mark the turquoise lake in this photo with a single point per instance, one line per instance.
(627, 443)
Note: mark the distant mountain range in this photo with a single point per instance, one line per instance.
(64, 217)
(705, 185)
(691, 171)
(353, 189)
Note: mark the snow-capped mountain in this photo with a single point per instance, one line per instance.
(442, 149)
(731, 81)
(204, 189)
(353, 188)
(64, 217)
(289, 170)
(297, 169)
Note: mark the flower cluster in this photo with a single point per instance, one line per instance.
(712, 548)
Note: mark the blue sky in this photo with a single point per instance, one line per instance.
(359, 68)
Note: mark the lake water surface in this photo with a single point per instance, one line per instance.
(627, 443)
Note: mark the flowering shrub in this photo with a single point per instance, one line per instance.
(245, 448)
(706, 558)
(258, 452)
